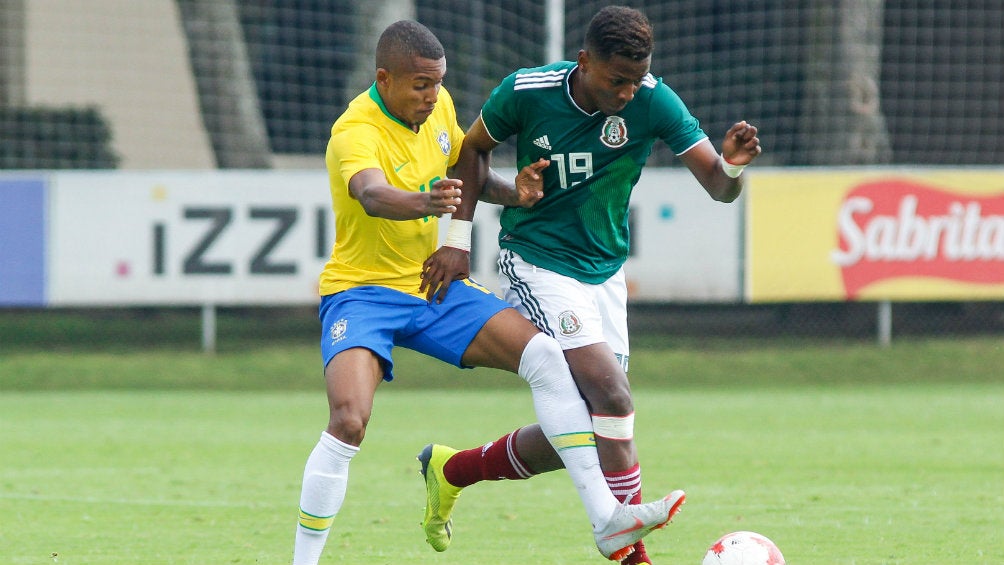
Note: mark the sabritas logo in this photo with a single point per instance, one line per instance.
(896, 228)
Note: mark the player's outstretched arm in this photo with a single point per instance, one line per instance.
(526, 191)
(721, 174)
(382, 200)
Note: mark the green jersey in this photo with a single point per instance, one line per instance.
(580, 228)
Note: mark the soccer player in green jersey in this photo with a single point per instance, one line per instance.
(593, 123)
(387, 161)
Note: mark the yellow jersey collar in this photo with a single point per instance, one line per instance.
(375, 97)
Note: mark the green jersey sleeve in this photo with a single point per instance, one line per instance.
(672, 121)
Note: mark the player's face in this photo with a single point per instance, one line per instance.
(411, 90)
(608, 85)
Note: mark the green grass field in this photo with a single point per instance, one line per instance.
(843, 453)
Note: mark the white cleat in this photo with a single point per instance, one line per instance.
(631, 522)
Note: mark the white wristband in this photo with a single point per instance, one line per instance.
(458, 235)
(730, 169)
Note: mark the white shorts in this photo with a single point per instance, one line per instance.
(573, 312)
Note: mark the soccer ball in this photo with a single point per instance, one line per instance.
(743, 548)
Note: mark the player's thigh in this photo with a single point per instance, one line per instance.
(352, 377)
(461, 330)
(365, 317)
(560, 306)
(611, 301)
(588, 320)
(600, 369)
(501, 341)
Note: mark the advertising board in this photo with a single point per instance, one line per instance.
(891, 234)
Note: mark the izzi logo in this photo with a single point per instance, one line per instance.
(904, 229)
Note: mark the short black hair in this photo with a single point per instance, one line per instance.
(619, 30)
(406, 39)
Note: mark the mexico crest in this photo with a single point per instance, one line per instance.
(614, 132)
(569, 323)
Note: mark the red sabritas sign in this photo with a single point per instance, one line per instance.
(898, 228)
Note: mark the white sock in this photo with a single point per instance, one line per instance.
(565, 421)
(324, 481)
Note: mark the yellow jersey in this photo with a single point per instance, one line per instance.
(377, 251)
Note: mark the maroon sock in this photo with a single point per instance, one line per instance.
(626, 485)
(493, 461)
(639, 555)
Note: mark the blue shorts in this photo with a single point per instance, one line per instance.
(379, 318)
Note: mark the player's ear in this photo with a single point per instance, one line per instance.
(382, 76)
(583, 58)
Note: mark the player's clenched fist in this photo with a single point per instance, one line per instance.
(741, 144)
(444, 197)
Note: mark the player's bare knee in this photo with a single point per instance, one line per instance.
(348, 427)
(612, 400)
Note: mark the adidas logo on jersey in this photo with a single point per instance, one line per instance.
(542, 142)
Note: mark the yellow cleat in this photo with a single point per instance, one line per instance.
(440, 495)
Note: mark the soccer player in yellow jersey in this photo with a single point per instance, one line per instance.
(387, 160)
